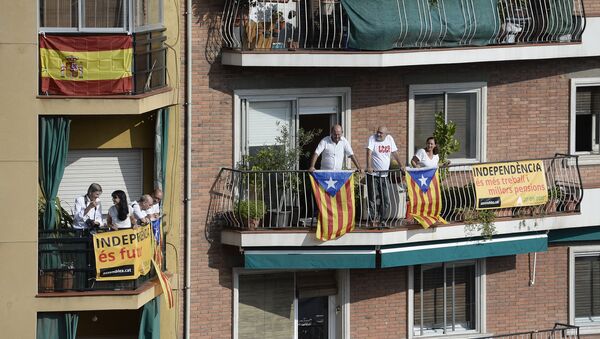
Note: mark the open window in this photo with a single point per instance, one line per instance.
(585, 119)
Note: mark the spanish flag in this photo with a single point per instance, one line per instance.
(424, 195)
(86, 65)
(334, 194)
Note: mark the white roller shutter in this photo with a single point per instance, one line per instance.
(264, 119)
(112, 169)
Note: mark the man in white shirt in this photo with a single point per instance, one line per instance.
(380, 148)
(154, 211)
(333, 150)
(88, 209)
(141, 209)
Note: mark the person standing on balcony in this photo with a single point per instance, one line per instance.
(333, 150)
(141, 209)
(428, 156)
(119, 214)
(154, 211)
(88, 209)
(380, 148)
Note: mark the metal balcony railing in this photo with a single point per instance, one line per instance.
(325, 24)
(559, 331)
(66, 263)
(284, 199)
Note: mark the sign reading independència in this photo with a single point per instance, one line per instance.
(510, 184)
(124, 254)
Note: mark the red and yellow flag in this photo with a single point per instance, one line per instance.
(334, 194)
(424, 194)
(86, 65)
(164, 284)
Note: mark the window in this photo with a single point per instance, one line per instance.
(585, 119)
(99, 15)
(297, 305)
(464, 104)
(260, 115)
(584, 290)
(447, 298)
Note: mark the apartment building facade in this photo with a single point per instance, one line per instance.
(519, 78)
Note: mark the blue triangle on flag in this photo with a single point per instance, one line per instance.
(422, 177)
(332, 181)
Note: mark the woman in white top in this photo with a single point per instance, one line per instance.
(119, 215)
(428, 156)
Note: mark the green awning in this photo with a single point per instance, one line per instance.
(574, 234)
(462, 250)
(309, 259)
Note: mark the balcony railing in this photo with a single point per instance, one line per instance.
(66, 263)
(284, 199)
(559, 331)
(278, 25)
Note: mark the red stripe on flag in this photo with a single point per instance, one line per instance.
(86, 43)
(436, 193)
(317, 193)
(340, 218)
(414, 198)
(430, 199)
(329, 212)
(87, 87)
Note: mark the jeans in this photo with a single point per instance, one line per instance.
(378, 189)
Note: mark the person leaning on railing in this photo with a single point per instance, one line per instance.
(88, 209)
(428, 156)
(333, 149)
(141, 209)
(120, 214)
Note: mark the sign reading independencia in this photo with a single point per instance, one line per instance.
(510, 184)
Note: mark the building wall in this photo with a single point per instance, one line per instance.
(592, 7)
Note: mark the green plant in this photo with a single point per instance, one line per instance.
(481, 221)
(63, 218)
(444, 137)
(250, 209)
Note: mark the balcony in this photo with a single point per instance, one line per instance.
(123, 65)
(335, 33)
(277, 202)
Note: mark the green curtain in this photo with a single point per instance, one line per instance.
(387, 24)
(57, 325)
(150, 320)
(53, 147)
(161, 138)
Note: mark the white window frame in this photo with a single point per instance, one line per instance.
(480, 303)
(343, 278)
(128, 20)
(580, 251)
(585, 158)
(292, 94)
(479, 88)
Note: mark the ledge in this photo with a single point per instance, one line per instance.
(107, 105)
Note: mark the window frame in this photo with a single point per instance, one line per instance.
(343, 279)
(574, 252)
(479, 88)
(480, 301)
(128, 27)
(292, 94)
(585, 158)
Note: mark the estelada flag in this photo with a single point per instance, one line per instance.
(165, 285)
(86, 65)
(424, 194)
(334, 194)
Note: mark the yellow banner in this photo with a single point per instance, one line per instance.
(510, 184)
(97, 65)
(123, 255)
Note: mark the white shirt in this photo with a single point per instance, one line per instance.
(79, 218)
(155, 209)
(114, 215)
(381, 152)
(138, 212)
(332, 154)
(424, 160)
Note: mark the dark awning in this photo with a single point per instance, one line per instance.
(309, 259)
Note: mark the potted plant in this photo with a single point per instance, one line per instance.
(250, 212)
(45, 281)
(481, 221)
(446, 142)
(65, 276)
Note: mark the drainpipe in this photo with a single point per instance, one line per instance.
(188, 167)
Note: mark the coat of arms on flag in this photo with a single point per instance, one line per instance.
(424, 195)
(334, 195)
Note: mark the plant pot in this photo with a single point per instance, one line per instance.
(46, 282)
(64, 280)
(252, 223)
(503, 213)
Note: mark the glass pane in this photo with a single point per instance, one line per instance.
(462, 109)
(147, 12)
(104, 13)
(266, 306)
(313, 318)
(587, 287)
(425, 108)
(460, 291)
(58, 13)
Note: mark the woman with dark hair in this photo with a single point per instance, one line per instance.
(428, 156)
(119, 215)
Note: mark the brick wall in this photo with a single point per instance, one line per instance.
(378, 303)
(513, 305)
(592, 7)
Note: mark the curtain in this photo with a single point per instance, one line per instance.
(53, 147)
(161, 138)
(150, 320)
(57, 325)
